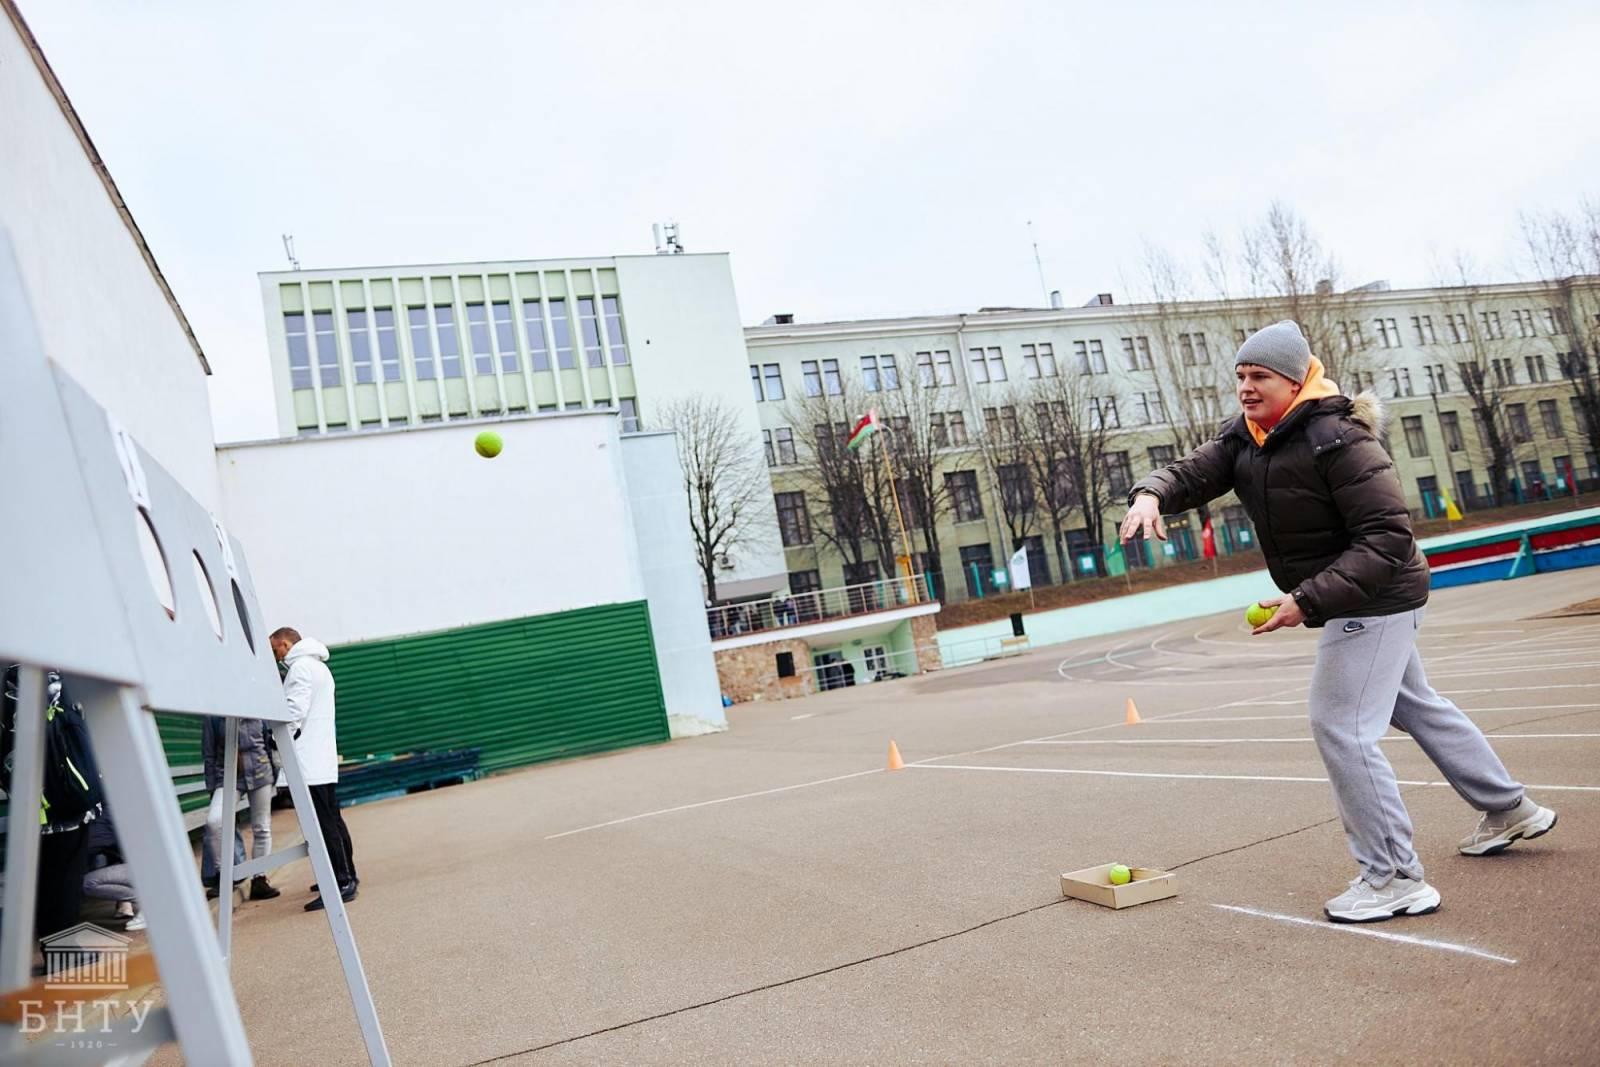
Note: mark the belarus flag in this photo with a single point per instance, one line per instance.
(864, 429)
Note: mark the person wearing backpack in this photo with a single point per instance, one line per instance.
(69, 801)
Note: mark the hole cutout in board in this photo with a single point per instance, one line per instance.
(244, 617)
(155, 562)
(208, 595)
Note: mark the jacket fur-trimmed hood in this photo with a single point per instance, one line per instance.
(1368, 410)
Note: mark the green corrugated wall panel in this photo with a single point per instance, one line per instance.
(524, 690)
(180, 738)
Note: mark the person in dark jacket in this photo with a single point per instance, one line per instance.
(69, 802)
(255, 779)
(1309, 468)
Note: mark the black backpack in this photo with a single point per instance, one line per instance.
(71, 793)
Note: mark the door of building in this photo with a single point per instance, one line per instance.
(830, 670)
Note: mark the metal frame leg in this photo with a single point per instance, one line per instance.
(134, 769)
(230, 823)
(22, 841)
(338, 920)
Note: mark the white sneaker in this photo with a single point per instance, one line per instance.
(1497, 829)
(1364, 903)
(125, 909)
(137, 922)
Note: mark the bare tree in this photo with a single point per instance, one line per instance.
(1486, 360)
(1565, 251)
(921, 442)
(1280, 269)
(1007, 449)
(724, 478)
(855, 515)
(1192, 364)
(1067, 424)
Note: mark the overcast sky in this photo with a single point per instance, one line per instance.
(856, 159)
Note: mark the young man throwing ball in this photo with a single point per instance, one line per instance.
(1333, 525)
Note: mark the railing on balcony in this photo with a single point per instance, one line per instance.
(820, 605)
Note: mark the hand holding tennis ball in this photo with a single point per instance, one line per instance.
(1256, 615)
(1120, 875)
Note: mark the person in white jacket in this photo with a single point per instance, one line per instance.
(308, 688)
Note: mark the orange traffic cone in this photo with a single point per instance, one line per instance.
(1133, 713)
(895, 762)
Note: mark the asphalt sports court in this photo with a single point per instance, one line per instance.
(773, 895)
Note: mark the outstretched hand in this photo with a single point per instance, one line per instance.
(1288, 614)
(1145, 515)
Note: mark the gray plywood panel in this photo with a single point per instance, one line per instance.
(58, 605)
(184, 665)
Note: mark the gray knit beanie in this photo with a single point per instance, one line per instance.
(1280, 347)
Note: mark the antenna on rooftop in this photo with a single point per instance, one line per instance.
(288, 250)
(667, 242)
(1037, 262)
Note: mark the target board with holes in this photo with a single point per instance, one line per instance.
(113, 570)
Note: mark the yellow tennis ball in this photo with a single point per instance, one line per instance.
(488, 444)
(1120, 875)
(1256, 615)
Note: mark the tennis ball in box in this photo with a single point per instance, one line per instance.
(1120, 875)
(1256, 615)
(488, 444)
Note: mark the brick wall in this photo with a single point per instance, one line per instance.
(925, 637)
(751, 673)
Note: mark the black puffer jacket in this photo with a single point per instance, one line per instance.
(1325, 501)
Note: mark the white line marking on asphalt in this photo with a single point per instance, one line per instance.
(1240, 718)
(1521, 670)
(797, 718)
(1519, 688)
(840, 778)
(1503, 646)
(1204, 777)
(708, 803)
(1119, 774)
(1535, 707)
(1404, 939)
(1264, 740)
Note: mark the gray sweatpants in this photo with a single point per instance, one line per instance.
(1368, 677)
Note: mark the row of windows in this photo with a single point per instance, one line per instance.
(948, 429)
(436, 340)
(881, 373)
(966, 499)
(627, 411)
(936, 368)
(1517, 425)
(1457, 329)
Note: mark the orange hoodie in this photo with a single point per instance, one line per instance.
(1315, 387)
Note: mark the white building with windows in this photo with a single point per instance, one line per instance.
(366, 349)
(556, 584)
(1153, 374)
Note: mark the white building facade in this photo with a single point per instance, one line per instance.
(130, 345)
(1157, 376)
(359, 350)
(563, 570)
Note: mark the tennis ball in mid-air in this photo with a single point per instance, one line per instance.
(488, 444)
(1256, 615)
(1120, 875)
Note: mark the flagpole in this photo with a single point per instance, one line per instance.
(894, 491)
